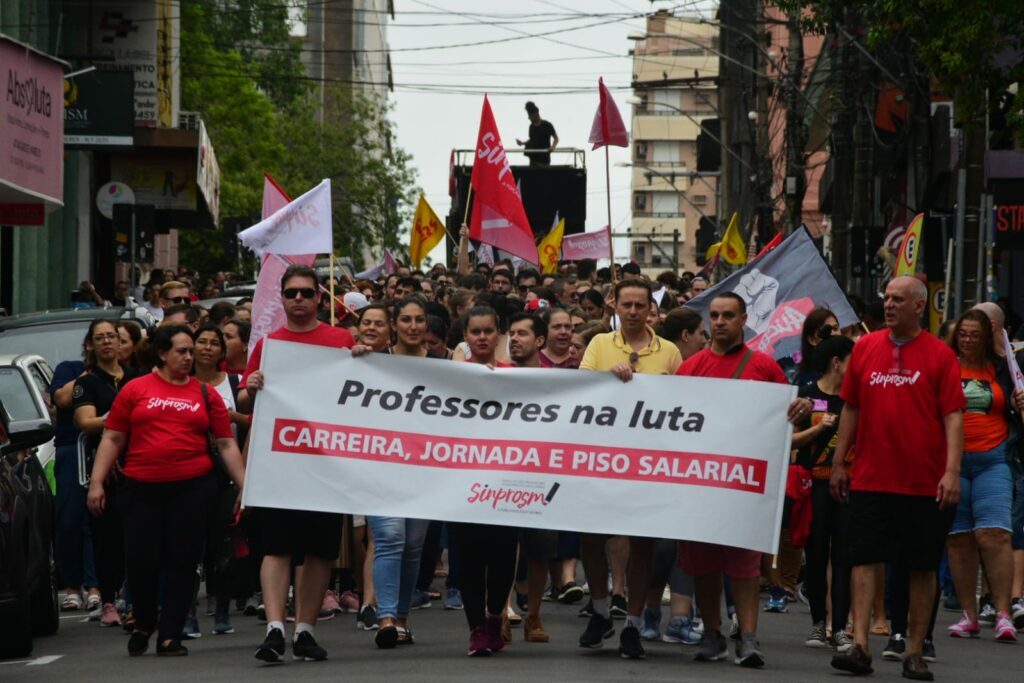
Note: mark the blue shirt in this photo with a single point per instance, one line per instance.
(65, 433)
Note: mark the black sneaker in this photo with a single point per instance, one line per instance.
(386, 638)
(928, 651)
(895, 648)
(570, 594)
(272, 649)
(630, 646)
(305, 648)
(619, 609)
(598, 630)
(587, 610)
(138, 643)
(366, 620)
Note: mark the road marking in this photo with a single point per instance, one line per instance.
(40, 661)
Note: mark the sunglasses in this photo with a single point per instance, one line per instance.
(633, 358)
(292, 292)
(179, 300)
(826, 331)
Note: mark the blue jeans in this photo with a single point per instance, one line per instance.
(75, 562)
(398, 544)
(986, 492)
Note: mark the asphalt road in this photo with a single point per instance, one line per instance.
(86, 652)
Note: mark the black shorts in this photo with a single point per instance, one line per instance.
(297, 533)
(893, 528)
(539, 544)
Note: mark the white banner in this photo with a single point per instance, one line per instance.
(666, 457)
(302, 226)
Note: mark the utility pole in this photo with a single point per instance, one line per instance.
(736, 100)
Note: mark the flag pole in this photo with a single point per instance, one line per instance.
(608, 198)
(331, 261)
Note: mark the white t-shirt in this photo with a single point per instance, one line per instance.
(224, 389)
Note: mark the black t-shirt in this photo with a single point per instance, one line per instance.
(540, 138)
(817, 455)
(99, 389)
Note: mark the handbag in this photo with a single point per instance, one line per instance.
(211, 440)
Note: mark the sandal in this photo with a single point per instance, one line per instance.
(880, 630)
(386, 637)
(172, 648)
(405, 636)
(72, 602)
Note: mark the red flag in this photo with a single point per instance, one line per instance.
(498, 215)
(608, 128)
(775, 241)
(451, 174)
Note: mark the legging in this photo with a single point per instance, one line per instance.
(667, 570)
(108, 547)
(487, 567)
(826, 543)
(165, 526)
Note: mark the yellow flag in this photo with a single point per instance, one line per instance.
(906, 260)
(712, 250)
(427, 232)
(734, 250)
(550, 248)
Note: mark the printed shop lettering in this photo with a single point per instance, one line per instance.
(28, 94)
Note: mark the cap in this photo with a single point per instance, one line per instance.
(355, 301)
(536, 305)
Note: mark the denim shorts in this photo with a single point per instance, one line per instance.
(986, 492)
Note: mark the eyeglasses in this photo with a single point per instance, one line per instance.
(178, 300)
(826, 331)
(969, 336)
(292, 292)
(110, 336)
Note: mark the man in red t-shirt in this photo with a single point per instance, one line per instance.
(904, 418)
(729, 358)
(313, 539)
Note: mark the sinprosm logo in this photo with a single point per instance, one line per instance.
(518, 498)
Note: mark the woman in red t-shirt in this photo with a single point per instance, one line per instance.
(982, 523)
(161, 422)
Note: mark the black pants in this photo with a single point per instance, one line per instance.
(224, 575)
(898, 583)
(667, 570)
(165, 527)
(827, 542)
(487, 567)
(108, 548)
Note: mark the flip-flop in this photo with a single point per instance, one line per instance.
(880, 630)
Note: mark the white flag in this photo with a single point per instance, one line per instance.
(301, 227)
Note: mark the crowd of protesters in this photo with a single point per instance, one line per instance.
(913, 485)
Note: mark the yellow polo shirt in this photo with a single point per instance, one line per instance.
(660, 357)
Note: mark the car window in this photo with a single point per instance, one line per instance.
(55, 342)
(37, 376)
(16, 395)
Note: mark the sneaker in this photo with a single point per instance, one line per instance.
(96, 613)
(210, 607)
(304, 648)
(272, 649)
(928, 651)
(261, 611)
(841, 641)
(420, 600)
(252, 605)
(951, 603)
(630, 646)
(777, 601)
(855, 661)
(652, 625)
(748, 652)
(570, 594)
(986, 611)
(138, 643)
(598, 630)
(587, 610)
(93, 602)
(681, 630)
(349, 602)
(801, 595)
(331, 603)
(493, 628)
(191, 629)
(734, 628)
(453, 599)
(712, 647)
(478, 643)
(72, 602)
(817, 638)
(915, 669)
(965, 628)
(895, 648)
(366, 620)
(222, 625)
(1017, 612)
(110, 617)
(1005, 630)
(618, 609)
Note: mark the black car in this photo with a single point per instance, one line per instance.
(28, 585)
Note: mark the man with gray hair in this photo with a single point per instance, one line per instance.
(904, 420)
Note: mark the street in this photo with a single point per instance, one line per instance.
(86, 652)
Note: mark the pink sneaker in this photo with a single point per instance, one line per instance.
(1005, 631)
(965, 628)
(331, 603)
(349, 602)
(493, 629)
(110, 616)
(479, 642)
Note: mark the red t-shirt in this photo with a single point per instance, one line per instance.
(903, 393)
(706, 363)
(321, 335)
(166, 426)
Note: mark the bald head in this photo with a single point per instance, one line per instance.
(914, 288)
(994, 313)
(905, 300)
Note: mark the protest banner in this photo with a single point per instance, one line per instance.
(389, 435)
(302, 226)
(593, 245)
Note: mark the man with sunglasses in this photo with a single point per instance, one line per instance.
(634, 347)
(174, 293)
(312, 539)
(526, 279)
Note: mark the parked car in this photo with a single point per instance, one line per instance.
(28, 582)
(57, 335)
(24, 388)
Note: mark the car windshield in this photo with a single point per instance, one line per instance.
(55, 342)
(17, 395)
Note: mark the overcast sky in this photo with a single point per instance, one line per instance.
(439, 92)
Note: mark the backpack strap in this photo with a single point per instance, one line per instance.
(747, 355)
(233, 381)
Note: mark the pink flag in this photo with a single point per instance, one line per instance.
(608, 128)
(595, 245)
(267, 312)
(498, 215)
